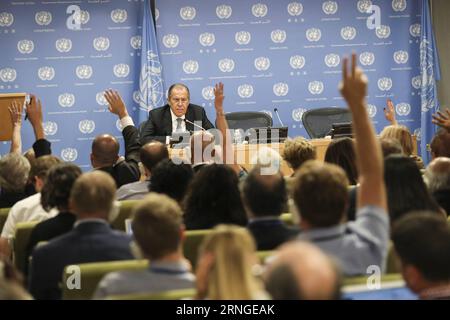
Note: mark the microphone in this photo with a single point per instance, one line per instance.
(194, 124)
(278, 116)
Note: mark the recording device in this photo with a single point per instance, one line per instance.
(194, 124)
(278, 116)
(341, 130)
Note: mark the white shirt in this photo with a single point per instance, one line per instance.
(28, 209)
(175, 124)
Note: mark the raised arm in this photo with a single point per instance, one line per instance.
(16, 118)
(442, 119)
(368, 152)
(41, 146)
(389, 112)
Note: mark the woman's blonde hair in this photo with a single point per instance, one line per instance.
(402, 134)
(230, 276)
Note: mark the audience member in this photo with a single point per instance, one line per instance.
(402, 134)
(11, 282)
(14, 171)
(390, 146)
(440, 144)
(341, 152)
(297, 151)
(437, 179)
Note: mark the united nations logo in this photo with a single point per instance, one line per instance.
(63, 45)
(367, 58)
(190, 66)
(268, 112)
(416, 82)
(6, 19)
(384, 84)
(403, 109)
(100, 98)
(170, 40)
(86, 126)
(188, 13)
(46, 73)
(50, 128)
(101, 43)
(136, 97)
(207, 39)
(315, 87)
(84, 16)
(330, 7)
(119, 125)
(69, 154)
(348, 33)
(332, 60)
(383, 31)
(25, 46)
(226, 65)
(280, 89)
(414, 30)
(223, 11)
(295, 8)
(242, 37)
(259, 10)
(208, 93)
(399, 5)
(418, 134)
(66, 100)
(84, 71)
(313, 34)
(297, 114)
(245, 91)
(278, 36)
(119, 15)
(156, 14)
(262, 63)
(297, 62)
(8, 74)
(121, 70)
(136, 42)
(43, 18)
(371, 110)
(401, 57)
(364, 5)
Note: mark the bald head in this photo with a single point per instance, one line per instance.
(105, 151)
(202, 147)
(152, 153)
(301, 271)
(437, 174)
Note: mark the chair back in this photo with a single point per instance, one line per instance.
(3, 216)
(125, 211)
(20, 243)
(192, 241)
(318, 122)
(179, 294)
(247, 120)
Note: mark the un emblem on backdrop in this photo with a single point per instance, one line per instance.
(384, 84)
(268, 112)
(66, 100)
(43, 18)
(190, 66)
(121, 70)
(297, 114)
(119, 15)
(69, 154)
(348, 33)
(262, 63)
(86, 126)
(383, 31)
(399, 5)
(332, 60)
(418, 134)
(84, 16)
(208, 93)
(136, 96)
(414, 30)
(136, 42)
(363, 5)
(223, 11)
(315, 87)
(156, 14)
(259, 10)
(242, 37)
(119, 125)
(50, 128)
(416, 82)
(6, 19)
(84, 71)
(245, 91)
(25, 46)
(297, 62)
(280, 89)
(207, 39)
(170, 40)
(401, 57)
(330, 7)
(101, 43)
(403, 109)
(100, 98)
(8, 74)
(188, 13)
(46, 73)
(295, 8)
(371, 110)
(313, 34)
(226, 65)
(278, 36)
(63, 45)
(367, 58)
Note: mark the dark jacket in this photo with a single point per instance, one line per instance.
(270, 233)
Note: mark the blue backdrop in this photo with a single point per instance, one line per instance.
(269, 54)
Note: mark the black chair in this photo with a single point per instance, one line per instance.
(318, 122)
(247, 120)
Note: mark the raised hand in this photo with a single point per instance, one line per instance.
(34, 113)
(389, 112)
(219, 97)
(16, 114)
(353, 86)
(116, 104)
(442, 120)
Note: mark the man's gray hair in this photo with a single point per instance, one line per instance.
(14, 171)
(437, 175)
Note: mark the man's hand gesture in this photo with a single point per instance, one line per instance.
(116, 104)
(442, 120)
(353, 86)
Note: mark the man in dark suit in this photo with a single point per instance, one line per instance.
(91, 240)
(175, 116)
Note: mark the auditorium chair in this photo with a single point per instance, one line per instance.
(248, 119)
(125, 211)
(288, 219)
(181, 294)
(363, 280)
(3, 216)
(263, 255)
(192, 241)
(318, 122)
(20, 243)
